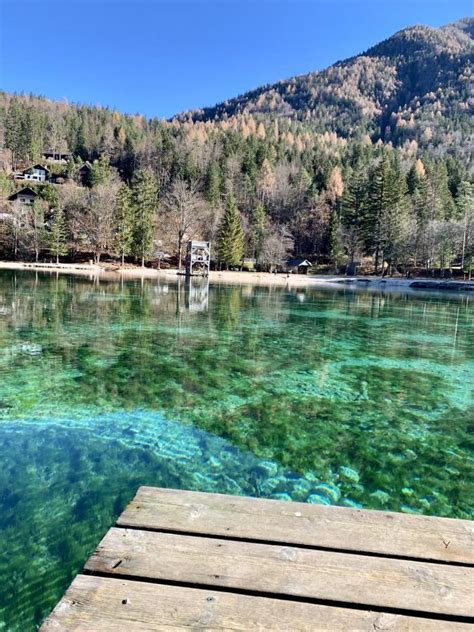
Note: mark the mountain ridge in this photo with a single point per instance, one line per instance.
(418, 78)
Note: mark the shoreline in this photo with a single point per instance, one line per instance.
(107, 271)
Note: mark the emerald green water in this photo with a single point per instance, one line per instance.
(324, 396)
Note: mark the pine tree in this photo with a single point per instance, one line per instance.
(379, 198)
(58, 235)
(213, 185)
(335, 241)
(100, 171)
(353, 208)
(258, 223)
(124, 222)
(230, 238)
(13, 131)
(144, 193)
(395, 216)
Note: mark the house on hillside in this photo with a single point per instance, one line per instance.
(57, 156)
(25, 196)
(83, 173)
(37, 173)
(298, 266)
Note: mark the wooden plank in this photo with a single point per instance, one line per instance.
(424, 537)
(285, 570)
(97, 603)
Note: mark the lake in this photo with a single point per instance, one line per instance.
(329, 396)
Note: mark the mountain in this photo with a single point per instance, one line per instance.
(416, 85)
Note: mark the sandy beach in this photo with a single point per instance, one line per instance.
(115, 272)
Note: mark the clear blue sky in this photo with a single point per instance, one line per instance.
(160, 57)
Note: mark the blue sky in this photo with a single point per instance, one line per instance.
(159, 57)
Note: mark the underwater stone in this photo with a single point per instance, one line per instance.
(381, 496)
(267, 467)
(316, 499)
(331, 491)
(301, 488)
(269, 485)
(349, 474)
(281, 496)
(214, 462)
(348, 502)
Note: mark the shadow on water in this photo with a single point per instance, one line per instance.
(325, 396)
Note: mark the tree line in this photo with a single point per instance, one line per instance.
(257, 188)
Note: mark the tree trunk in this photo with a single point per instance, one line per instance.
(143, 261)
(57, 258)
(123, 259)
(180, 247)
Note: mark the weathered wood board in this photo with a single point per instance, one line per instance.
(181, 560)
(393, 534)
(101, 604)
(287, 571)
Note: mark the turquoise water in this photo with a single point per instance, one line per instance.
(324, 396)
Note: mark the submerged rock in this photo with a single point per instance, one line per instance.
(281, 496)
(269, 485)
(349, 474)
(269, 468)
(348, 502)
(316, 499)
(301, 489)
(381, 496)
(332, 492)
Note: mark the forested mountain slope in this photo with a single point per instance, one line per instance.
(369, 158)
(416, 85)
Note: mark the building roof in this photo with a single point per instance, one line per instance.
(38, 166)
(24, 191)
(56, 153)
(296, 263)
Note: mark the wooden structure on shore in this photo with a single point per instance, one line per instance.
(179, 560)
(198, 258)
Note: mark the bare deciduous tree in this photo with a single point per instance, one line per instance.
(184, 211)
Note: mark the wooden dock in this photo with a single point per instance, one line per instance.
(178, 559)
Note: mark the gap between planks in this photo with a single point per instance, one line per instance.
(286, 570)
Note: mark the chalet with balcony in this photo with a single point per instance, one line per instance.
(36, 173)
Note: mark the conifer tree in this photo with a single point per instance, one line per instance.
(124, 222)
(335, 241)
(377, 200)
(213, 185)
(100, 171)
(395, 215)
(230, 238)
(258, 222)
(58, 235)
(145, 198)
(13, 131)
(353, 207)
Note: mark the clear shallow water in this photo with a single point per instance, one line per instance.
(324, 396)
